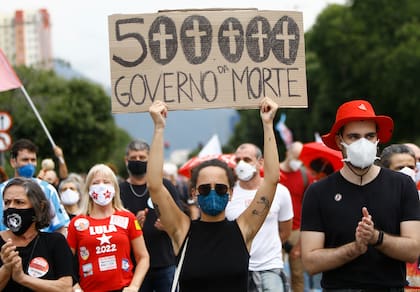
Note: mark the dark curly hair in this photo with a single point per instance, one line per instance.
(22, 144)
(213, 162)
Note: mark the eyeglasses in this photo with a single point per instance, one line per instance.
(204, 189)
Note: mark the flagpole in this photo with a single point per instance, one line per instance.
(9, 80)
(38, 116)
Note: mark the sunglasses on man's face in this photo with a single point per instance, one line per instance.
(204, 189)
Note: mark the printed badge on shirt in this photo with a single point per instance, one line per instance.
(84, 253)
(120, 221)
(87, 270)
(107, 263)
(38, 267)
(125, 265)
(81, 224)
(137, 224)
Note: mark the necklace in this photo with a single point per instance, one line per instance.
(359, 175)
(31, 255)
(134, 192)
(32, 252)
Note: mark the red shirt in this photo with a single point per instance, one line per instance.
(103, 248)
(296, 184)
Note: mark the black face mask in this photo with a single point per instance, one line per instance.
(137, 167)
(18, 220)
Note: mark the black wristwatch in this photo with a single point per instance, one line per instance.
(380, 239)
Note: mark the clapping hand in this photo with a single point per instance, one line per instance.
(141, 216)
(365, 231)
(12, 262)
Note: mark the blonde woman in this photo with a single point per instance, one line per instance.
(104, 235)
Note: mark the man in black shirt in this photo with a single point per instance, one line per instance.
(135, 197)
(360, 224)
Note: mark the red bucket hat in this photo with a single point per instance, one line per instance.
(357, 110)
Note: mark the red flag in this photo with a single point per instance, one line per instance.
(8, 77)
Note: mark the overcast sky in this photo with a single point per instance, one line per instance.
(80, 36)
(80, 28)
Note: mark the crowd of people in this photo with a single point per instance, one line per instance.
(292, 227)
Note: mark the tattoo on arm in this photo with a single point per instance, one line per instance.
(264, 203)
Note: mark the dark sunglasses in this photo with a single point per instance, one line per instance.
(204, 189)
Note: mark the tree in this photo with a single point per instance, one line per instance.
(367, 49)
(370, 50)
(251, 133)
(77, 114)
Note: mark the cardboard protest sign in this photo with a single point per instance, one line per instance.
(201, 59)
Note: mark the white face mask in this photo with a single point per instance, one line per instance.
(410, 172)
(245, 171)
(295, 164)
(418, 172)
(102, 194)
(69, 197)
(361, 153)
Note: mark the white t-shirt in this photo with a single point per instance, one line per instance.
(266, 248)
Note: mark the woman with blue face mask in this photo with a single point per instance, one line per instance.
(214, 251)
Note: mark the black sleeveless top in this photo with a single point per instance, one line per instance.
(216, 258)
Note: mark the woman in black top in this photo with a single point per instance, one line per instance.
(217, 250)
(30, 259)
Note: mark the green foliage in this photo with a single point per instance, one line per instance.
(375, 57)
(117, 156)
(367, 49)
(251, 133)
(77, 114)
(247, 130)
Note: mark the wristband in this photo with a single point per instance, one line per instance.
(380, 238)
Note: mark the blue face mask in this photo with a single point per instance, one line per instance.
(27, 170)
(213, 204)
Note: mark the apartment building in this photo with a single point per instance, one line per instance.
(25, 38)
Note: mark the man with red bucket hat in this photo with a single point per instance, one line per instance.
(360, 225)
